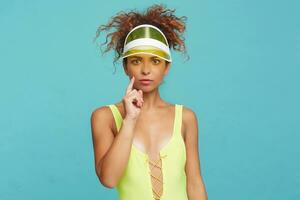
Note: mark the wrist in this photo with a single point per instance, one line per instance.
(130, 119)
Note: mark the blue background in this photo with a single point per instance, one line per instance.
(242, 80)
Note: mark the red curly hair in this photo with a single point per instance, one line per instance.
(158, 15)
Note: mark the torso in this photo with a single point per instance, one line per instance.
(153, 129)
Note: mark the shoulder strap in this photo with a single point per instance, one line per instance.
(117, 115)
(178, 118)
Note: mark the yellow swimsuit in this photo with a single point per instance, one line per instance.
(164, 179)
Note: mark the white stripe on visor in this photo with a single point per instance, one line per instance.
(145, 42)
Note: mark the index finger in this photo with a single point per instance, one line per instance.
(129, 87)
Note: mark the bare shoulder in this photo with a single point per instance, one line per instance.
(101, 112)
(101, 116)
(188, 113)
(189, 119)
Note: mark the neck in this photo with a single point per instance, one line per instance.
(152, 100)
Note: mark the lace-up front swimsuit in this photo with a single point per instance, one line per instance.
(164, 179)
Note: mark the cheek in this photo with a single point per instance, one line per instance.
(132, 68)
(159, 74)
(161, 70)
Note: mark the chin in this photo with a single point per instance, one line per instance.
(147, 89)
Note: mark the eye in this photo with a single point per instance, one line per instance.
(156, 61)
(135, 61)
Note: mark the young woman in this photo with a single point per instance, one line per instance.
(144, 146)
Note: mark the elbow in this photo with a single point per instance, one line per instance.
(106, 181)
(105, 177)
(107, 184)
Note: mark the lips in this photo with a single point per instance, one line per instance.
(145, 81)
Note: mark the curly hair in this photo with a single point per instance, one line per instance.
(158, 15)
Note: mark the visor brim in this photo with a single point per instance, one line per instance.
(147, 50)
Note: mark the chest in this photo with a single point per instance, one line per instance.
(154, 131)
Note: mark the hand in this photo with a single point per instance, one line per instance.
(133, 100)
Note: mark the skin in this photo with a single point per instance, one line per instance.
(111, 149)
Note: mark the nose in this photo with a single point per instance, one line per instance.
(146, 69)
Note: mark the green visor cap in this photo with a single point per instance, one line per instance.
(146, 39)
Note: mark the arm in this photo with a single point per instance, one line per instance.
(195, 185)
(111, 152)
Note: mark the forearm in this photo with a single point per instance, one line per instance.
(116, 159)
(197, 191)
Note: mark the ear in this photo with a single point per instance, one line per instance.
(168, 65)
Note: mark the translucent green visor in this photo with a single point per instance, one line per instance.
(146, 39)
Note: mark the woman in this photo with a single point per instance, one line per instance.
(144, 146)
